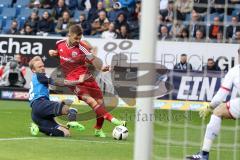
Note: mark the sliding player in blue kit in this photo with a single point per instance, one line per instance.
(44, 111)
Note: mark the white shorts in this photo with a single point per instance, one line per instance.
(233, 107)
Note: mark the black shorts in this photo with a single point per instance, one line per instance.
(43, 113)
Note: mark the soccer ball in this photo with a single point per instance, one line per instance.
(120, 133)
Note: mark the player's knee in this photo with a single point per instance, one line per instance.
(217, 112)
(100, 101)
(89, 100)
(220, 111)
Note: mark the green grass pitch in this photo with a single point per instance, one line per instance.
(16, 143)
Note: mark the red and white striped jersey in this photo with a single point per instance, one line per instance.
(73, 60)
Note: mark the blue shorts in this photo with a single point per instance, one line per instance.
(43, 113)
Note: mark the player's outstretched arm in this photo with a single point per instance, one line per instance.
(91, 56)
(53, 52)
(216, 101)
(98, 64)
(220, 96)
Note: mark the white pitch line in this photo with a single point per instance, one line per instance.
(60, 139)
(91, 141)
(18, 138)
(84, 140)
(3, 112)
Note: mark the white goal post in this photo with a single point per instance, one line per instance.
(148, 34)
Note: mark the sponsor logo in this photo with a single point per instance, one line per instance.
(7, 95)
(194, 107)
(14, 95)
(21, 95)
(14, 46)
(66, 59)
(55, 98)
(197, 88)
(158, 104)
(74, 54)
(177, 105)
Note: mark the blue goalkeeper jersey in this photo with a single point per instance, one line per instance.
(39, 87)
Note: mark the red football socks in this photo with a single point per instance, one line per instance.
(99, 122)
(102, 112)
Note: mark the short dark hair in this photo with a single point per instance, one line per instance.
(82, 14)
(183, 55)
(75, 29)
(121, 14)
(66, 12)
(210, 59)
(14, 21)
(27, 25)
(235, 17)
(185, 30)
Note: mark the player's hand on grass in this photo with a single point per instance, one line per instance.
(205, 111)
